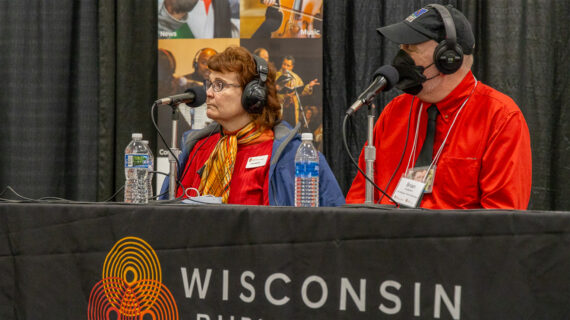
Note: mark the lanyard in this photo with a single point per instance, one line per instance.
(438, 154)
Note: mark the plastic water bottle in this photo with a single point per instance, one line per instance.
(151, 169)
(137, 166)
(307, 173)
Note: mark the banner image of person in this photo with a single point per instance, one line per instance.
(200, 19)
(286, 33)
(299, 73)
(281, 18)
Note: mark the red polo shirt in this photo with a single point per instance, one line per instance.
(248, 185)
(485, 163)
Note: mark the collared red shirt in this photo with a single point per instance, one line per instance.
(485, 163)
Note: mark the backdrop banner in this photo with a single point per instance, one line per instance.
(93, 261)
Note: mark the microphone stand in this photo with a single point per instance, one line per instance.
(370, 156)
(173, 173)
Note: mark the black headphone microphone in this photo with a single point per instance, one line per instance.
(254, 96)
(448, 55)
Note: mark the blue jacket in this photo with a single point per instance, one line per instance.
(282, 166)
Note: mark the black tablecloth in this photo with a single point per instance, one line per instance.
(91, 261)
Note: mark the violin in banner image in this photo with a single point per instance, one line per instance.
(291, 19)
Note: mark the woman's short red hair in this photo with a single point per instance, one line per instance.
(241, 61)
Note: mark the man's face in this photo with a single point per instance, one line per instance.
(203, 62)
(263, 54)
(287, 65)
(422, 54)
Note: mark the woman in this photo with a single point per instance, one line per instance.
(247, 155)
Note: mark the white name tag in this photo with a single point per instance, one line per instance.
(255, 162)
(409, 192)
(203, 200)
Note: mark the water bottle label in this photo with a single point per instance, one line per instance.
(306, 169)
(137, 161)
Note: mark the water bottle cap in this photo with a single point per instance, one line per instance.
(307, 136)
(136, 136)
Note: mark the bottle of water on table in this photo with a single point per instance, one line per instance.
(307, 173)
(151, 169)
(137, 166)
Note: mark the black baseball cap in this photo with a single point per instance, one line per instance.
(427, 24)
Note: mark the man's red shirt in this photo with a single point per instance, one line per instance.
(486, 161)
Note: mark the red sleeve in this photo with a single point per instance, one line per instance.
(506, 172)
(358, 187)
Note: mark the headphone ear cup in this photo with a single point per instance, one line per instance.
(254, 97)
(195, 61)
(447, 60)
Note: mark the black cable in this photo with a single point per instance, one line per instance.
(178, 180)
(195, 152)
(22, 198)
(356, 164)
(162, 138)
(115, 194)
(403, 152)
(30, 200)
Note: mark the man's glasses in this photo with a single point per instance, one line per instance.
(218, 85)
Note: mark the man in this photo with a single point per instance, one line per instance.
(247, 155)
(262, 53)
(196, 19)
(196, 117)
(290, 87)
(173, 18)
(200, 64)
(473, 151)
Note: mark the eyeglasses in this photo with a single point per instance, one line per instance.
(218, 85)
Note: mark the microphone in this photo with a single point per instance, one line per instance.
(385, 78)
(193, 97)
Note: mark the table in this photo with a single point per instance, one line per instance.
(91, 261)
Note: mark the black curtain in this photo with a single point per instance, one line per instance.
(79, 77)
(128, 85)
(521, 50)
(48, 98)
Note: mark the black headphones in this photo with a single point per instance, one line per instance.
(448, 55)
(197, 56)
(254, 96)
(167, 57)
(195, 61)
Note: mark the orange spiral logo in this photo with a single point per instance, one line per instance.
(131, 285)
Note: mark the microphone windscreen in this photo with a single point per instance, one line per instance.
(199, 96)
(390, 73)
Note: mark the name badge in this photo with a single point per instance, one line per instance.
(255, 162)
(203, 200)
(409, 192)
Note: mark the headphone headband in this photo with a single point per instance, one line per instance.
(261, 68)
(448, 24)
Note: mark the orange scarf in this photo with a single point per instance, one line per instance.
(218, 170)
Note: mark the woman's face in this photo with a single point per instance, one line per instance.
(225, 106)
